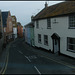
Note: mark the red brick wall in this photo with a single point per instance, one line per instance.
(9, 28)
(20, 30)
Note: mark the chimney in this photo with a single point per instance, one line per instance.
(46, 5)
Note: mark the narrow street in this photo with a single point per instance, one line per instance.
(22, 60)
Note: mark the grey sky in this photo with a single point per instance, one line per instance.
(23, 10)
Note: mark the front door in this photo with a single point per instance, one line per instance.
(56, 46)
(56, 43)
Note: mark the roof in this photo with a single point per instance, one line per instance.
(4, 18)
(18, 24)
(59, 9)
(29, 25)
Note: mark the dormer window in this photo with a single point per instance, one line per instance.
(48, 23)
(72, 21)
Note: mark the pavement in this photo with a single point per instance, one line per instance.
(70, 62)
(3, 58)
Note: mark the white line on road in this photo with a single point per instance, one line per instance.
(20, 52)
(37, 70)
(28, 58)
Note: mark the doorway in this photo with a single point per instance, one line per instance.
(56, 43)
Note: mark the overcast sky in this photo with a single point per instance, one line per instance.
(23, 10)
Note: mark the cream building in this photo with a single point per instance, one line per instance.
(55, 28)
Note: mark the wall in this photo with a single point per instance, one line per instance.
(43, 31)
(20, 31)
(32, 35)
(15, 32)
(61, 28)
(9, 24)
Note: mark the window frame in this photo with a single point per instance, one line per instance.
(48, 23)
(70, 44)
(37, 24)
(39, 38)
(72, 22)
(46, 40)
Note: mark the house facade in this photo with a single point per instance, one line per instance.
(29, 33)
(14, 22)
(7, 26)
(54, 28)
(1, 33)
(19, 30)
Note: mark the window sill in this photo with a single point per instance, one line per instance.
(46, 44)
(73, 51)
(48, 28)
(39, 42)
(71, 28)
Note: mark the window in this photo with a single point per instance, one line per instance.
(45, 40)
(48, 23)
(37, 24)
(72, 21)
(39, 38)
(4, 29)
(71, 44)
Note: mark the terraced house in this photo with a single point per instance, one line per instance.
(7, 26)
(19, 30)
(14, 22)
(55, 28)
(29, 32)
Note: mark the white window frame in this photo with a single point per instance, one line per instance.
(72, 21)
(46, 40)
(48, 23)
(37, 24)
(70, 44)
(39, 38)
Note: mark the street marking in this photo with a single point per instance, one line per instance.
(20, 52)
(27, 58)
(37, 70)
(63, 63)
(6, 64)
(32, 57)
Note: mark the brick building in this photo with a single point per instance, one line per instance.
(19, 29)
(7, 26)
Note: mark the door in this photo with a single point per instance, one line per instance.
(56, 46)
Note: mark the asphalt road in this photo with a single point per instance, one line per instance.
(22, 60)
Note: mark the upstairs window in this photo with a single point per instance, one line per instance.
(37, 24)
(72, 21)
(39, 38)
(48, 23)
(71, 44)
(45, 40)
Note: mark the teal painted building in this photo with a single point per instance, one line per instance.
(29, 33)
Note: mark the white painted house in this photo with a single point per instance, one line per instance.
(55, 28)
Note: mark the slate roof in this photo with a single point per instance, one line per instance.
(29, 25)
(18, 24)
(4, 18)
(59, 9)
